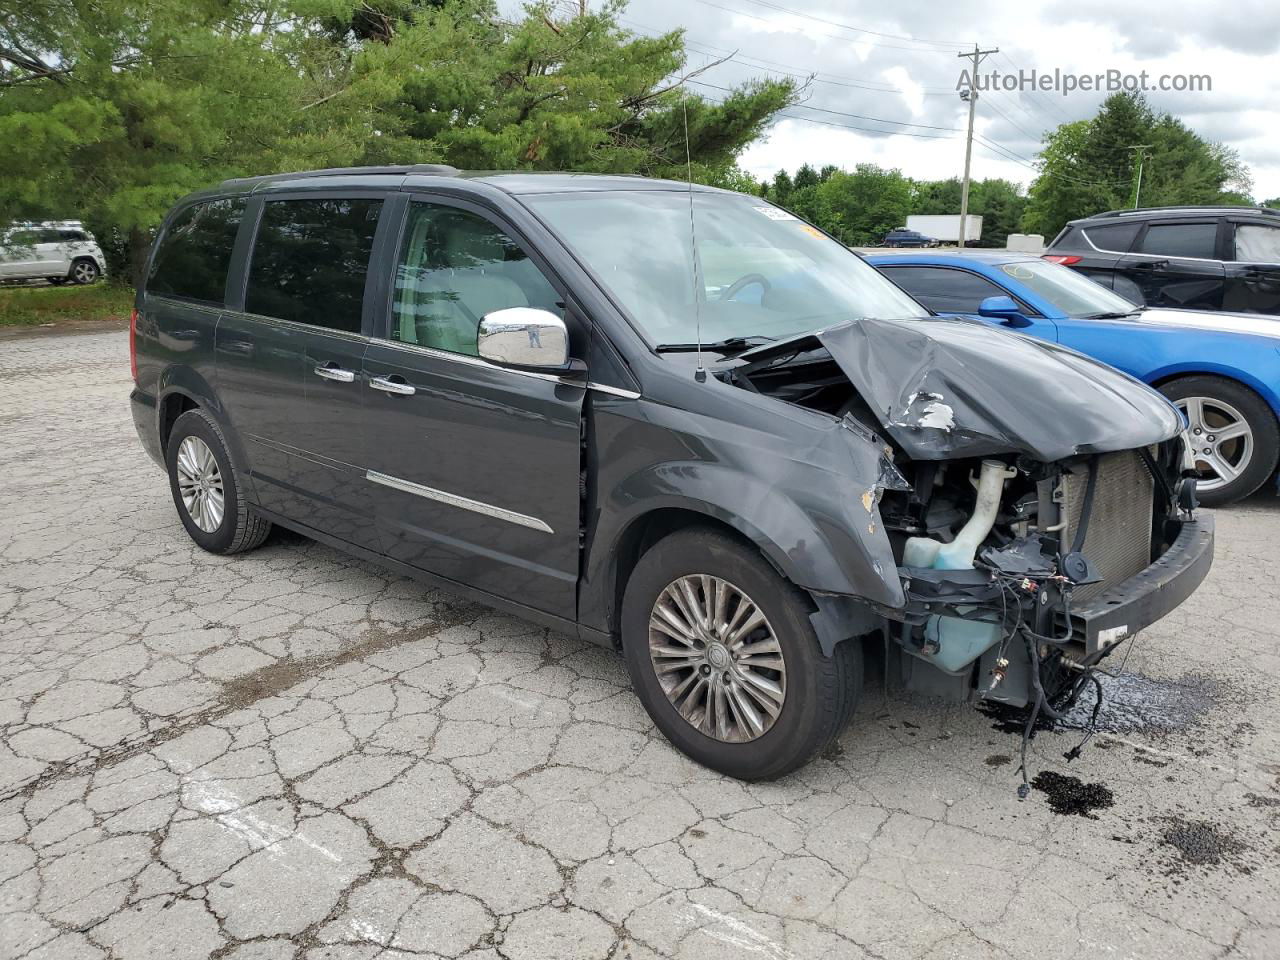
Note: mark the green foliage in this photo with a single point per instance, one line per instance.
(861, 206)
(1088, 166)
(32, 306)
(109, 111)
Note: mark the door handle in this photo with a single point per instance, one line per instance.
(1151, 265)
(335, 373)
(392, 386)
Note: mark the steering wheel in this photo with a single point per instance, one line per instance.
(742, 283)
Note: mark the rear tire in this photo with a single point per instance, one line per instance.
(819, 693)
(205, 488)
(1220, 402)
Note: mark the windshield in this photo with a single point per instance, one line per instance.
(1072, 293)
(763, 272)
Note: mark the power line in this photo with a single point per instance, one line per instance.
(840, 113)
(952, 44)
(825, 33)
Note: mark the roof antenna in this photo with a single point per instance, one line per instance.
(700, 374)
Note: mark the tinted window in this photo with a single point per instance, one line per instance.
(944, 290)
(72, 235)
(1114, 236)
(195, 251)
(454, 268)
(1257, 244)
(1181, 240)
(310, 259)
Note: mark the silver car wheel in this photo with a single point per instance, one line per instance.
(717, 658)
(1221, 440)
(84, 272)
(200, 484)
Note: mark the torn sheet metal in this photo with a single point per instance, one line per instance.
(951, 387)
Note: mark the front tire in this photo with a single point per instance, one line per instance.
(83, 271)
(722, 655)
(205, 489)
(1234, 434)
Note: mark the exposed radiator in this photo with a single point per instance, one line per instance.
(1118, 541)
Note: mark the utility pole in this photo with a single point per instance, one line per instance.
(1142, 149)
(970, 94)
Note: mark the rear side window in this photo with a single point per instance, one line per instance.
(1197, 240)
(195, 252)
(1115, 237)
(75, 236)
(310, 260)
(944, 290)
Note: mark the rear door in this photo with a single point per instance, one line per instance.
(1175, 263)
(477, 467)
(1253, 274)
(294, 357)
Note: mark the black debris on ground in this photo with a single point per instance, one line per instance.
(1201, 843)
(998, 760)
(1071, 795)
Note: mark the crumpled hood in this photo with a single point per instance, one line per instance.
(948, 388)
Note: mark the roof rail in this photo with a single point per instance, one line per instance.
(425, 169)
(1190, 207)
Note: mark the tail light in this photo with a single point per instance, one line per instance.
(133, 345)
(1066, 261)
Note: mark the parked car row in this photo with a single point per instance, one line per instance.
(669, 419)
(60, 251)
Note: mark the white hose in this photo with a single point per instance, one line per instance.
(959, 553)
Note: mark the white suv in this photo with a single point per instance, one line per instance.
(59, 251)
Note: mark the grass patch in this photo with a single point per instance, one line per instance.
(30, 306)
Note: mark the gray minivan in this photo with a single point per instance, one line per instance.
(670, 419)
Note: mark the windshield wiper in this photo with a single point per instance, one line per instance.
(727, 345)
(1111, 314)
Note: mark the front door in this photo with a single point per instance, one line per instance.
(1253, 276)
(477, 467)
(1174, 265)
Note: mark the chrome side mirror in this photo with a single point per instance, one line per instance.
(524, 337)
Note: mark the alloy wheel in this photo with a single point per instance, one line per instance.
(200, 484)
(1221, 440)
(717, 658)
(84, 272)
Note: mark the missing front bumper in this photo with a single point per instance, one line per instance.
(1120, 612)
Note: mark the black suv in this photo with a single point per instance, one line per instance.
(1199, 258)
(902, 237)
(640, 413)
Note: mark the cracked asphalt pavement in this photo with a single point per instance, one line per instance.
(291, 753)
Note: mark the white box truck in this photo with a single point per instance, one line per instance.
(946, 227)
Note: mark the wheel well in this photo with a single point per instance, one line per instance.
(171, 408)
(647, 530)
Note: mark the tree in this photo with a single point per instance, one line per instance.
(1088, 166)
(112, 110)
(862, 206)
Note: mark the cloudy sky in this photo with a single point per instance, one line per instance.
(895, 61)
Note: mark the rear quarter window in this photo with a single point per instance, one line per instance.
(1113, 237)
(195, 252)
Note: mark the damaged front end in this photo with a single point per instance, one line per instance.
(1038, 503)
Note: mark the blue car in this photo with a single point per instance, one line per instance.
(1221, 369)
